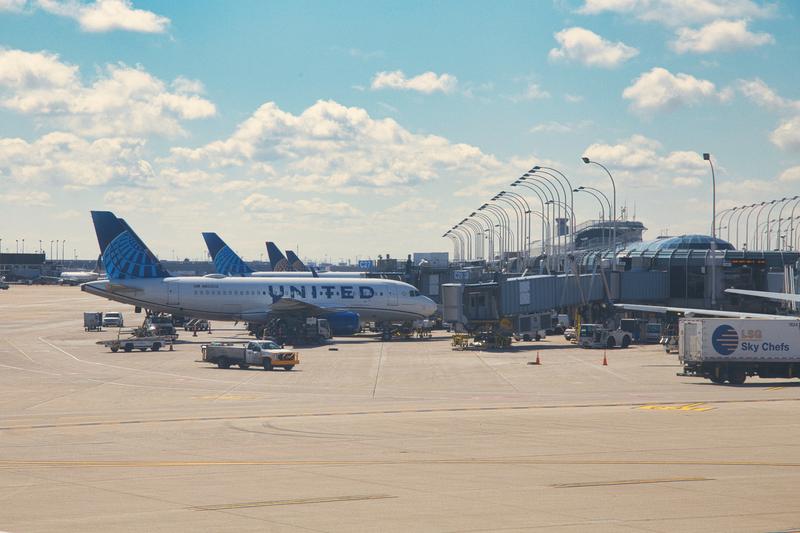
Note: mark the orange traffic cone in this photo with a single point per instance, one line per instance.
(605, 359)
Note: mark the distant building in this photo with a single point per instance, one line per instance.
(21, 266)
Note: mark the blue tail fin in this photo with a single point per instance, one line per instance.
(225, 260)
(276, 259)
(124, 254)
(295, 263)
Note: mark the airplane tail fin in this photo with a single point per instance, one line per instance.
(295, 262)
(276, 258)
(225, 260)
(124, 254)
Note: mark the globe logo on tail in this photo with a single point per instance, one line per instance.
(725, 340)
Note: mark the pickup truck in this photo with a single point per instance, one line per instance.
(265, 353)
(112, 319)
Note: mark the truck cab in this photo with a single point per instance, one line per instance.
(599, 336)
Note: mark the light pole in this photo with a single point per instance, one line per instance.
(551, 188)
(501, 213)
(63, 242)
(571, 197)
(501, 243)
(780, 217)
(541, 193)
(757, 239)
(791, 225)
(527, 208)
(485, 218)
(707, 157)
(769, 215)
(540, 173)
(613, 211)
(602, 211)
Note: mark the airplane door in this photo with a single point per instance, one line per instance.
(173, 293)
(393, 296)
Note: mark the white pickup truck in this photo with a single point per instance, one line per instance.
(265, 353)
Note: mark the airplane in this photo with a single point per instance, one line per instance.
(136, 277)
(77, 277)
(228, 263)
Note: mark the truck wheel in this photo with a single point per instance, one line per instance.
(156, 346)
(610, 342)
(223, 362)
(244, 366)
(128, 347)
(115, 349)
(267, 363)
(626, 341)
(538, 337)
(526, 337)
(288, 367)
(737, 376)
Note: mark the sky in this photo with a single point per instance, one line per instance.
(352, 129)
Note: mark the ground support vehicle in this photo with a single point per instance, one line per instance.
(196, 324)
(294, 330)
(136, 343)
(157, 326)
(599, 336)
(642, 330)
(112, 319)
(729, 350)
(569, 334)
(264, 353)
(92, 321)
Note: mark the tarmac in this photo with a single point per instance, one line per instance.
(373, 436)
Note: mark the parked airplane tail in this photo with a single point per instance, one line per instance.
(295, 262)
(225, 260)
(124, 254)
(277, 259)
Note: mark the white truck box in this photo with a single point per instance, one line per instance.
(744, 339)
(725, 349)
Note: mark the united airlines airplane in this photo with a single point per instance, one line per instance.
(228, 263)
(137, 278)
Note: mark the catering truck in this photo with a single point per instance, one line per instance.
(729, 350)
(264, 353)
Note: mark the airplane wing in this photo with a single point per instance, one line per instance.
(765, 294)
(688, 311)
(293, 306)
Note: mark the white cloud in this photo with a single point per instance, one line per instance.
(262, 206)
(427, 82)
(787, 135)
(680, 12)
(66, 159)
(791, 174)
(533, 92)
(26, 198)
(560, 127)
(718, 36)
(107, 15)
(641, 162)
(573, 98)
(332, 146)
(121, 101)
(687, 182)
(759, 92)
(585, 46)
(659, 89)
(12, 5)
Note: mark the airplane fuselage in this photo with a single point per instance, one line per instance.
(251, 298)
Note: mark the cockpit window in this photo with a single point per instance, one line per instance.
(415, 293)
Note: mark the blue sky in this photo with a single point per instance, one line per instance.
(352, 129)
